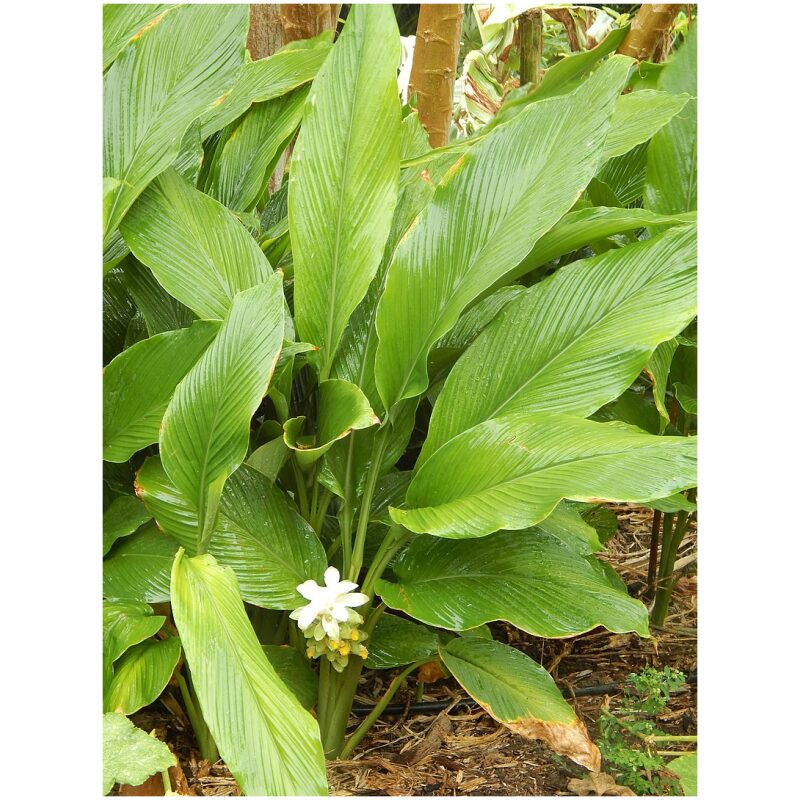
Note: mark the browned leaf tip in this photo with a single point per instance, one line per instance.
(571, 740)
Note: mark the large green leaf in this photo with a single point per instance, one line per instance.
(269, 546)
(243, 164)
(142, 674)
(129, 754)
(342, 408)
(125, 515)
(168, 76)
(269, 742)
(633, 407)
(595, 325)
(126, 624)
(397, 641)
(528, 578)
(138, 385)
(672, 504)
(413, 137)
(191, 155)
(206, 428)
(270, 457)
(474, 320)
(116, 249)
(124, 23)
(564, 73)
(355, 360)
(511, 472)
(569, 527)
(344, 177)
(259, 533)
(197, 249)
(671, 182)
(259, 81)
(520, 693)
(485, 216)
(118, 311)
(580, 228)
(161, 311)
(683, 374)
(295, 671)
(658, 371)
(172, 511)
(138, 567)
(638, 117)
(623, 177)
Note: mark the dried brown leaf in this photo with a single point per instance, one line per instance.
(571, 741)
(430, 744)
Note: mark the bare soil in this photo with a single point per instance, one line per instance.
(460, 750)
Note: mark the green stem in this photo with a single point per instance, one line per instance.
(296, 639)
(283, 628)
(358, 734)
(346, 523)
(666, 567)
(206, 743)
(318, 517)
(302, 495)
(333, 548)
(674, 738)
(314, 495)
(378, 447)
(324, 696)
(372, 618)
(394, 540)
(338, 693)
(167, 783)
(669, 522)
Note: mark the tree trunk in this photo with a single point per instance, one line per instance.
(433, 71)
(647, 30)
(264, 37)
(273, 25)
(530, 46)
(304, 20)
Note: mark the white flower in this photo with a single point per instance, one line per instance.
(330, 604)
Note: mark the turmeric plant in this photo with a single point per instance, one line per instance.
(349, 422)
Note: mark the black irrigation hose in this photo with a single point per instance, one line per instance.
(440, 705)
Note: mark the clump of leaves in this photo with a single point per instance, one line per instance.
(628, 736)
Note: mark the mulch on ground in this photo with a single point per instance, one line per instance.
(460, 750)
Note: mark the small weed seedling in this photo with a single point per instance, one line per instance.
(630, 740)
